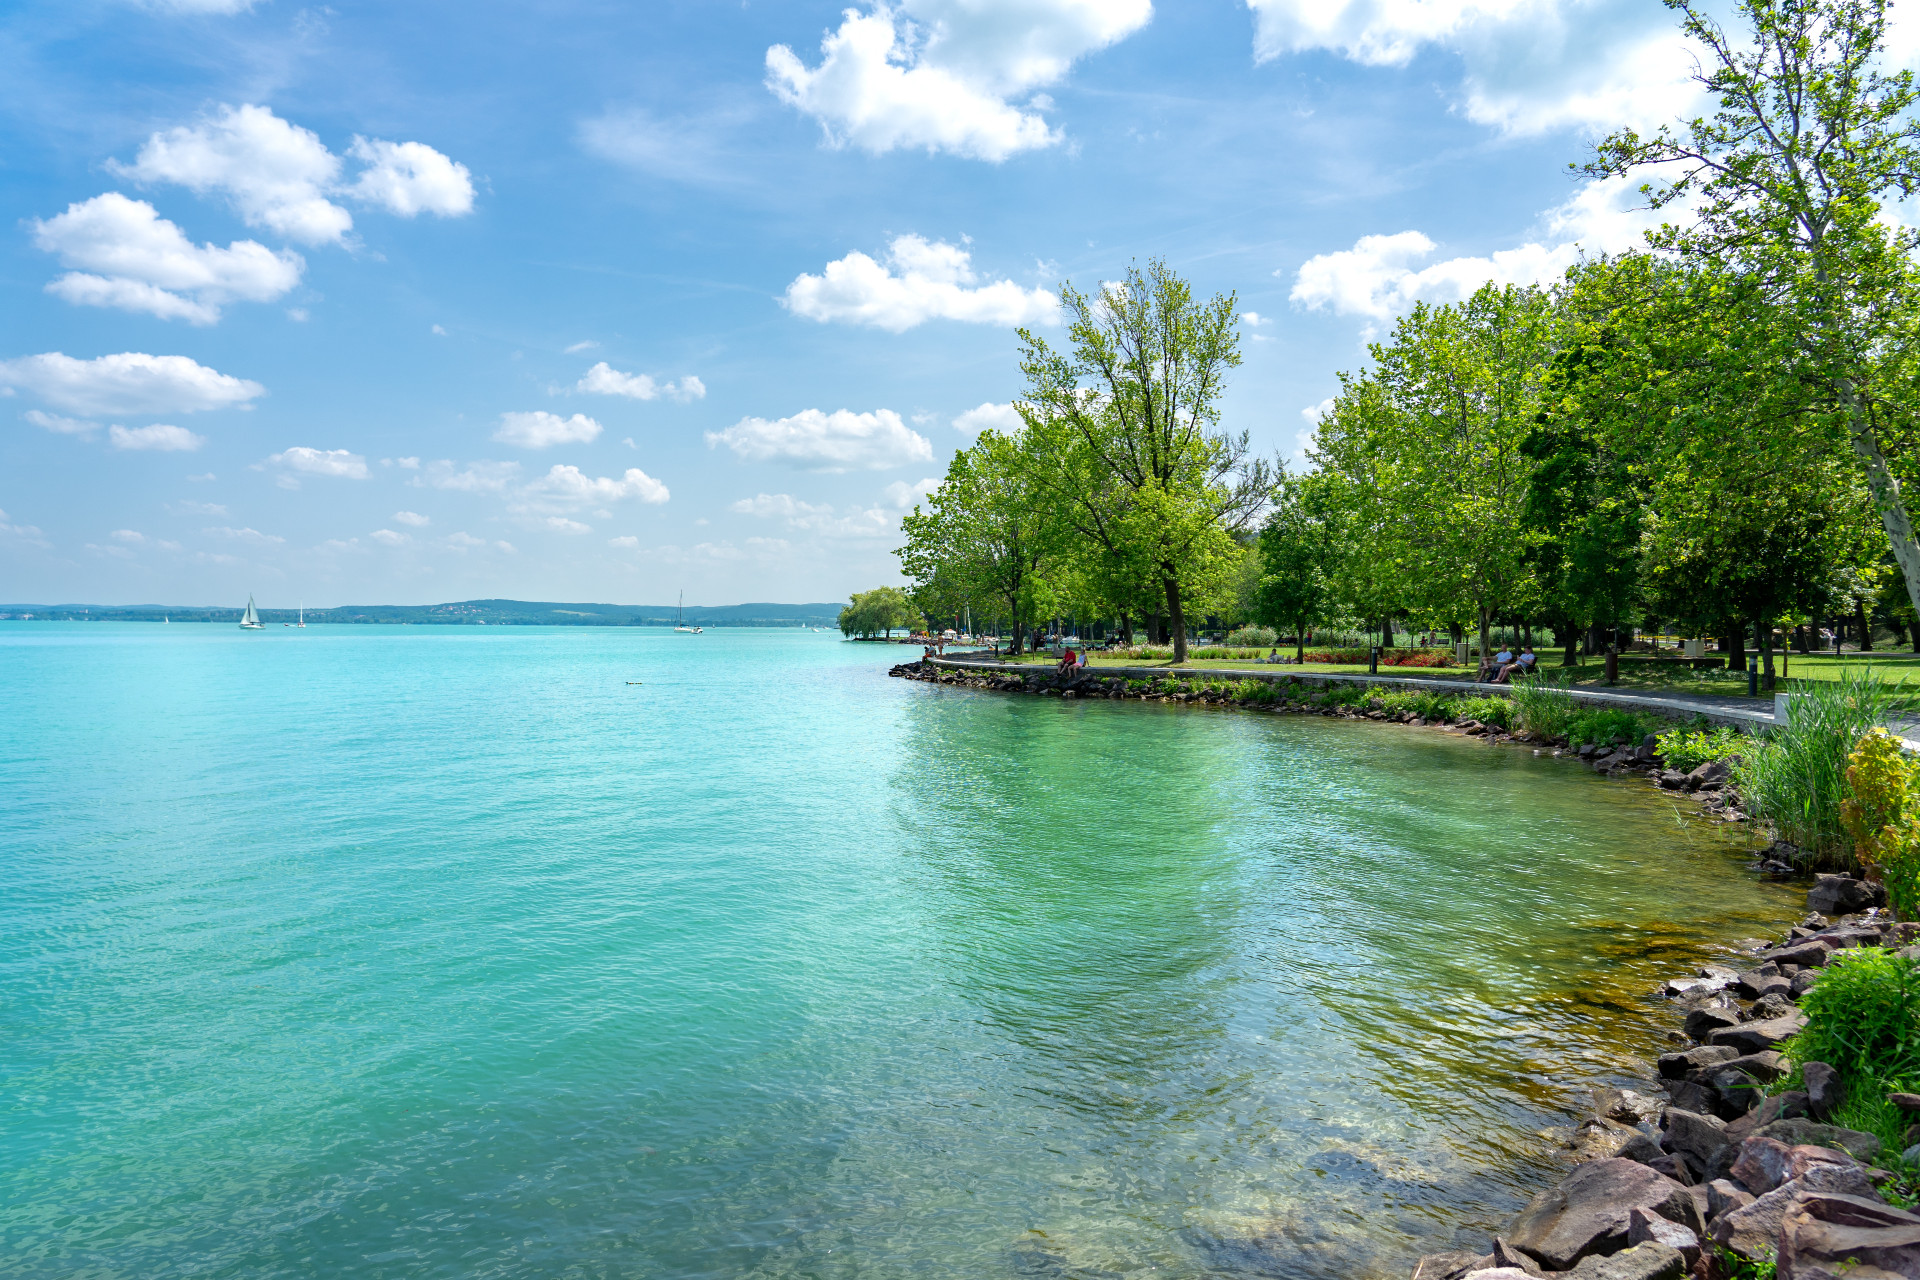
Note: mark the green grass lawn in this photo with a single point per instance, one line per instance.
(1901, 668)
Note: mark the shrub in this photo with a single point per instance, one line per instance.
(1863, 1016)
(1886, 835)
(1258, 637)
(1687, 750)
(1608, 724)
(1487, 710)
(1417, 658)
(1796, 776)
(1543, 708)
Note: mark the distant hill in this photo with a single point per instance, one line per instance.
(499, 613)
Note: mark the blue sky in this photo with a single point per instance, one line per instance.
(360, 303)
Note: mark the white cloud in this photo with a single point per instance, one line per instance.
(130, 382)
(389, 538)
(820, 519)
(475, 477)
(160, 437)
(61, 426)
(1313, 413)
(838, 441)
(903, 495)
(406, 464)
(542, 430)
(252, 537)
(439, 331)
(627, 541)
(337, 463)
(560, 524)
(926, 280)
(412, 519)
(1003, 418)
(280, 176)
(605, 380)
(1253, 319)
(585, 344)
(1371, 32)
(196, 509)
(464, 541)
(410, 178)
(943, 74)
(126, 256)
(221, 7)
(128, 536)
(1378, 277)
(568, 488)
(27, 533)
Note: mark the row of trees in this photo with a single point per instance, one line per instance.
(1713, 432)
(877, 613)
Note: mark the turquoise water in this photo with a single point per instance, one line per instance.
(446, 952)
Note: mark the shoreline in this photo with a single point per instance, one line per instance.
(1705, 1174)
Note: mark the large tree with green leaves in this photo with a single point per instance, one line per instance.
(1425, 451)
(1125, 440)
(1787, 179)
(1299, 559)
(878, 612)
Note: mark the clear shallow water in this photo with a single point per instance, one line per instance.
(444, 952)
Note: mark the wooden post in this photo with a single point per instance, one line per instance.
(1613, 664)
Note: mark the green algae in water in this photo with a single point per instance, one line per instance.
(410, 952)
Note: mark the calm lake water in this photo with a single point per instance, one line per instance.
(425, 951)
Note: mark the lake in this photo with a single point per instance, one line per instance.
(445, 951)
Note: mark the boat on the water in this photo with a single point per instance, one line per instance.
(681, 625)
(250, 621)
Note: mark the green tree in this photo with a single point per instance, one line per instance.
(1788, 177)
(1125, 441)
(878, 612)
(1299, 558)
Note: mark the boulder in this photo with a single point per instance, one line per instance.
(1653, 1260)
(1775, 1004)
(1765, 1164)
(1837, 895)
(1861, 1146)
(1643, 1226)
(1724, 1195)
(1762, 1034)
(1702, 1023)
(1676, 1066)
(1498, 1273)
(1824, 1090)
(1672, 1166)
(1588, 1212)
(1802, 983)
(1692, 1095)
(1695, 1138)
(1791, 1105)
(1747, 983)
(1809, 953)
(1711, 774)
(1905, 1101)
(1824, 1236)
(1449, 1266)
(1625, 1106)
(1505, 1255)
(1640, 1149)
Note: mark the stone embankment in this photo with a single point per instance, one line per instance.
(1705, 1174)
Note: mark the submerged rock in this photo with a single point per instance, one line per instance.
(1838, 895)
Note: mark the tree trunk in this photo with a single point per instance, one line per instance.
(1763, 636)
(1887, 497)
(1866, 627)
(1300, 639)
(1177, 621)
(1486, 634)
(1913, 629)
(1126, 629)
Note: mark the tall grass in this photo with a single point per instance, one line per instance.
(1541, 705)
(1796, 776)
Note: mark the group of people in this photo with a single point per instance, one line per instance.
(1070, 662)
(1506, 665)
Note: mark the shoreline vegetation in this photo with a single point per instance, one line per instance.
(1781, 1138)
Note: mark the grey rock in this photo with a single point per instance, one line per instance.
(1724, 1195)
(1791, 1105)
(1695, 1138)
(1905, 1101)
(1505, 1255)
(1803, 982)
(1745, 983)
(1587, 1213)
(1676, 1066)
(1643, 1227)
(1702, 1023)
(1760, 1035)
(1625, 1106)
(1640, 1149)
(1861, 1146)
(1449, 1266)
(1652, 1260)
(1807, 953)
(1497, 1273)
(1692, 1095)
(1775, 1004)
(1824, 1090)
(1753, 1230)
(1824, 1236)
(1674, 1167)
(1838, 895)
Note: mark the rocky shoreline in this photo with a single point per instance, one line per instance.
(1706, 1174)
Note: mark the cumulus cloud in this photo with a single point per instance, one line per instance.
(410, 178)
(922, 280)
(625, 541)
(160, 437)
(542, 430)
(389, 538)
(412, 519)
(27, 533)
(560, 524)
(902, 495)
(818, 518)
(125, 255)
(838, 441)
(1003, 418)
(336, 463)
(61, 426)
(605, 380)
(946, 74)
(252, 537)
(1379, 277)
(569, 488)
(1529, 66)
(464, 541)
(475, 477)
(196, 509)
(130, 382)
(280, 176)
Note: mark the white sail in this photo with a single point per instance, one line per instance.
(251, 619)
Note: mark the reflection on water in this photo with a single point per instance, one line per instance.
(409, 952)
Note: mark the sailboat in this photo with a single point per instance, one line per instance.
(251, 620)
(681, 625)
(303, 616)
